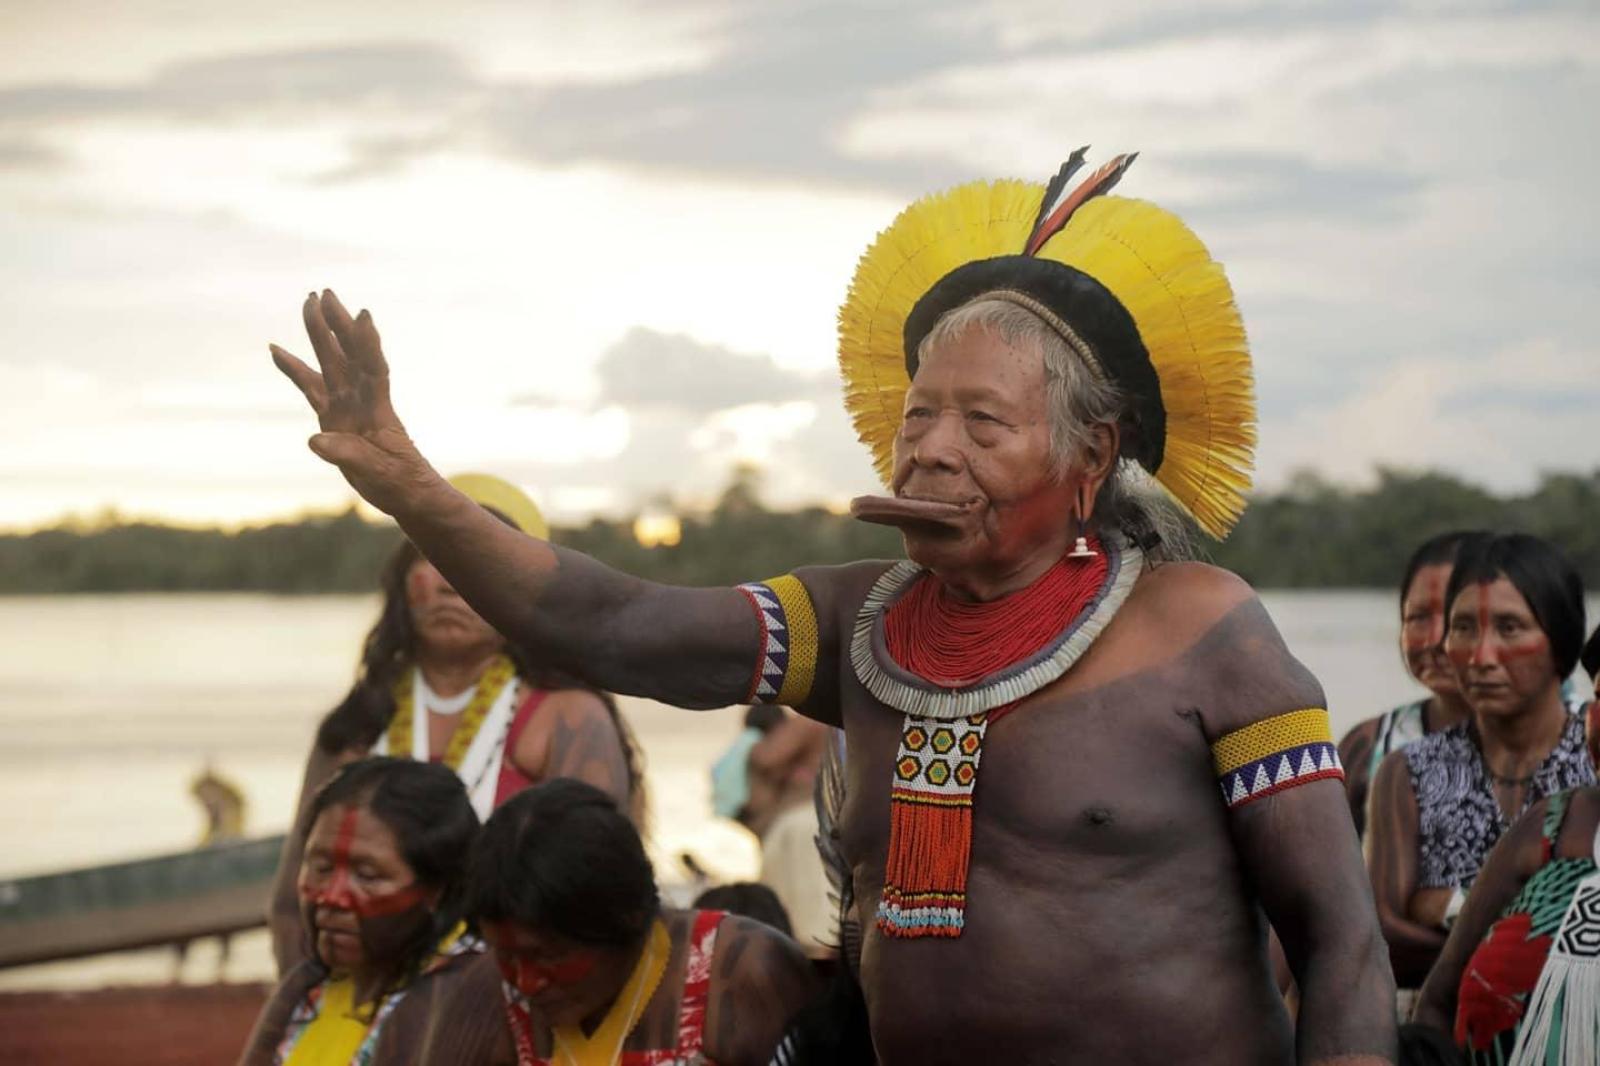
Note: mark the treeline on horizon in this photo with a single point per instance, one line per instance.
(1313, 534)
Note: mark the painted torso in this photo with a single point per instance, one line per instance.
(1098, 827)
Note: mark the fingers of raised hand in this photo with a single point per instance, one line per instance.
(358, 337)
(371, 346)
(330, 355)
(308, 381)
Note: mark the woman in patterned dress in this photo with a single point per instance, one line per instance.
(381, 891)
(586, 966)
(1516, 624)
(1489, 966)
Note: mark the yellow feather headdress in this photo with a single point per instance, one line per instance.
(500, 495)
(1130, 281)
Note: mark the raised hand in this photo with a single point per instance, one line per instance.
(361, 434)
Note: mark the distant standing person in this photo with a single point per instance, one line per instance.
(224, 806)
(769, 792)
(437, 683)
(1365, 746)
(1516, 621)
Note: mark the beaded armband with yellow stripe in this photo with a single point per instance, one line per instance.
(786, 663)
(1274, 755)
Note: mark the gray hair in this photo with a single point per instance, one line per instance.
(1078, 397)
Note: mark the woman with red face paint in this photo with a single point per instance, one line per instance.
(1515, 623)
(1366, 745)
(381, 891)
(438, 683)
(586, 966)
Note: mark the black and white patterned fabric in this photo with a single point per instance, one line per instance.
(1458, 820)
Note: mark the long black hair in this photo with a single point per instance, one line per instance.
(359, 719)
(425, 806)
(563, 858)
(1545, 577)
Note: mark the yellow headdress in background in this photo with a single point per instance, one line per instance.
(1129, 286)
(502, 496)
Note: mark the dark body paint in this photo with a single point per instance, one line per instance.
(1107, 887)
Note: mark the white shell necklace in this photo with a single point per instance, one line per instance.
(445, 705)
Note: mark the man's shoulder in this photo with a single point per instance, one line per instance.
(841, 587)
(1185, 603)
(1193, 588)
(1225, 645)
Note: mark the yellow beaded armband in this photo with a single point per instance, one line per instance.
(1274, 755)
(786, 663)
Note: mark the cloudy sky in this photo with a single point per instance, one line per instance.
(605, 242)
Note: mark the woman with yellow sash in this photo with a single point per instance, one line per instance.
(437, 683)
(381, 899)
(587, 968)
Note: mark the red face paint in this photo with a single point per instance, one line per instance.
(529, 975)
(531, 978)
(417, 584)
(1480, 650)
(339, 891)
(1475, 653)
(1525, 648)
(1423, 631)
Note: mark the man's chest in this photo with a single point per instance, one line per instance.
(1117, 771)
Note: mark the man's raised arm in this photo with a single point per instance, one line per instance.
(691, 647)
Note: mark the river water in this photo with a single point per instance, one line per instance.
(112, 704)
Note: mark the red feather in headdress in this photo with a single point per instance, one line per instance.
(1101, 181)
(1058, 186)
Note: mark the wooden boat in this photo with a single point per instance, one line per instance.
(164, 899)
(161, 1025)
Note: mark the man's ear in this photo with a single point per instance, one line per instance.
(1100, 457)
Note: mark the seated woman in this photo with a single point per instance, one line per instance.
(1516, 622)
(438, 683)
(1516, 935)
(1365, 746)
(586, 966)
(381, 894)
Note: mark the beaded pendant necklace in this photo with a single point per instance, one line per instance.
(952, 668)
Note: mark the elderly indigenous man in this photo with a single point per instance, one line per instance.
(1159, 781)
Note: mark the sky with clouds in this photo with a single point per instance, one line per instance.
(606, 242)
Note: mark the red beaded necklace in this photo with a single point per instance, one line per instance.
(955, 643)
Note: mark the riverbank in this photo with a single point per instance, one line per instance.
(169, 1025)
